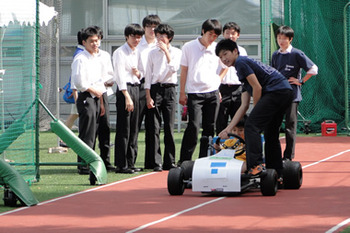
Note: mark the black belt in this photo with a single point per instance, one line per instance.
(133, 84)
(166, 85)
(231, 85)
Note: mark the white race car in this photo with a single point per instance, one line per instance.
(222, 174)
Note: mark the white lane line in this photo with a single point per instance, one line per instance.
(335, 228)
(175, 215)
(79, 193)
(328, 158)
(347, 221)
(178, 213)
(198, 206)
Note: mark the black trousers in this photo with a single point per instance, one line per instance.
(266, 116)
(142, 113)
(142, 103)
(165, 103)
(89, 116)
(127, 129)
(230, 102)
(291, 130)
(103, 133)
(202, 108)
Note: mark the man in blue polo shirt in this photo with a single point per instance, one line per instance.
(271, 93)
(289, 61)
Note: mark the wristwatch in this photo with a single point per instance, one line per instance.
(302, 82)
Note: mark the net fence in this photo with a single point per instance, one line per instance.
(22, 39)
(49, 66)
(319, 32)
(17, 95)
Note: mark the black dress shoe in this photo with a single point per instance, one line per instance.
(63, 144)
(124, 170)
(110, 168)
(137, 169)
(169, 167)
(157, 169)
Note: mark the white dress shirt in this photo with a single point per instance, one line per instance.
(144, 49)
(124, 59)
(159, 70)
(203, 67)
(231, 77)
(91, 71)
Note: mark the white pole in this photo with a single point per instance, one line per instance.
(2, 73)
(57, 74)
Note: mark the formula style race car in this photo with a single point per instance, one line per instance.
(221, 173)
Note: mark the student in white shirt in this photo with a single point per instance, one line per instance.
(160, 85)
(148, 42)
(127, 73)
(90, 70)
(200, 79)
(230, 88)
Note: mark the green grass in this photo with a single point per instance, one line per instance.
(57, 181)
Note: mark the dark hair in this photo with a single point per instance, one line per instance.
(211, 24)
(90, 31)
(133, 29)
(225, 44)
(150, 20)
(99, 32)
(165, 29)
(232, 25)
(79, 37)
(285, 30)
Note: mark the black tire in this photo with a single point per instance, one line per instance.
(187, 166)
(176, 186)
(10, 198)
(92, 178)
(268, 183)
(292, 174)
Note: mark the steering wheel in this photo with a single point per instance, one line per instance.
(235, 142)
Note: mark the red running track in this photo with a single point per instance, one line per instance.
(142, 204)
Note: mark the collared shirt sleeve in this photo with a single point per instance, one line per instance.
(242, 51)
(78, 73)
(174, 64)
(149, 72)
(184, 60)
(313, 70)
(140, 66)
(108, 75)
(119, 69)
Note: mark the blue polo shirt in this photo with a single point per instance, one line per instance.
(269, 78)
(290, 64)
